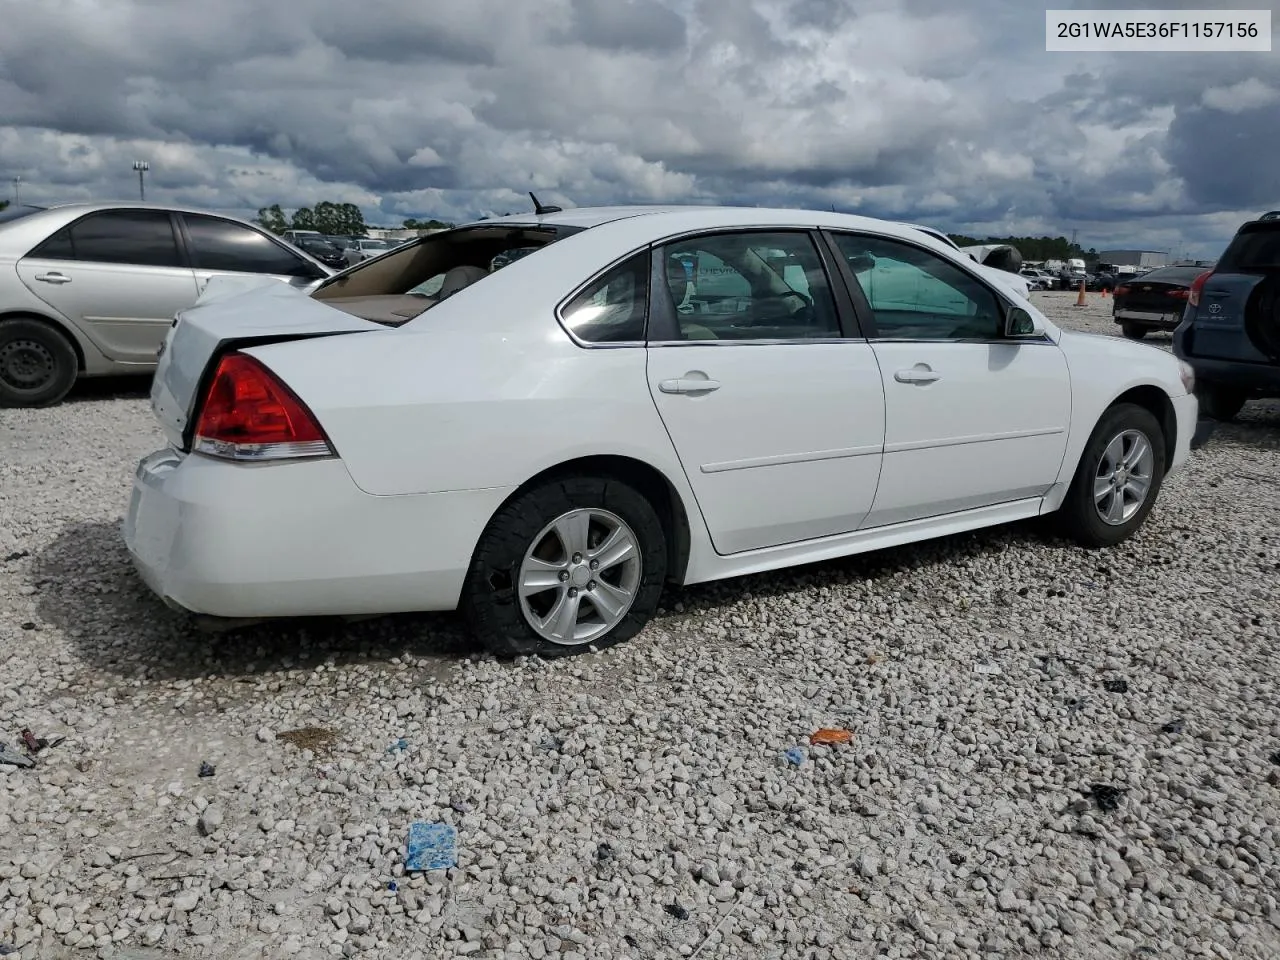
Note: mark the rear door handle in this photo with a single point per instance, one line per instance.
(916, 375)
(687, 385)
(53, 277)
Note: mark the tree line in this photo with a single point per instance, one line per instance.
(1033, 248)
(334, 219)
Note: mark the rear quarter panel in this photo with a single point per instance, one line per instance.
(485, 389)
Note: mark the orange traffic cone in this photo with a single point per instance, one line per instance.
(1080, 299)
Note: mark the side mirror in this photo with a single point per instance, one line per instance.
(1020, 325)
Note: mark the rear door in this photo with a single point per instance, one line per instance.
(119, 275)
(221, 247)
(769, 393)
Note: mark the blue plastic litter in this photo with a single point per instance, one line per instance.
(391, 885)
(795, 755)
(399, 746)
(432, 846)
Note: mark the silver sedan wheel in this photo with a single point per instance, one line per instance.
(1124, 476)
(580, 576)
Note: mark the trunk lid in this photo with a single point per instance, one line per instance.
(232, 312)
(1154, 296)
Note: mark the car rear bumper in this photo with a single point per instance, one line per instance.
(296, 539)
(1163, 320)
(1258, 378)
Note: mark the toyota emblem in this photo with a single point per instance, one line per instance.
(1215, 308)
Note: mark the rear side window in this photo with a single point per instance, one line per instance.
(223, 245)
(1256, 247)
(135, 237)
(613, 309)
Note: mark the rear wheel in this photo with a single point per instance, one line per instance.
(1133, 331)
(37, 363)
(1220, 403)
(569, 564)
(1117, 479)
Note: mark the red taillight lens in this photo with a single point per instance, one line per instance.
(1179, 293)
(1197, 285)
(249, 414)
(1121, 291)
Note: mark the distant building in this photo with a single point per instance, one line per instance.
(1134, 258)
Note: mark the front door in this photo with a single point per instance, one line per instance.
(225, 248)
(118, 276)
(775, 411)
(971, 419)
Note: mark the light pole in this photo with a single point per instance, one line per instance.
(142, 167)
(17, 182)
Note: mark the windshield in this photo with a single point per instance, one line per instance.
(322, 247)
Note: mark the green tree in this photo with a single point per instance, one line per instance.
(433, 224)
(272, 218)
(303, 219)
(351, 221)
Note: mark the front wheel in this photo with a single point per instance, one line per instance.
(569, 564)
(1117, 479)
(1133, 331)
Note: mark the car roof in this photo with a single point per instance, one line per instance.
(681, 217)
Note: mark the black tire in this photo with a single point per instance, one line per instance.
(38, 364)
(1220, 403)
(490, 599)
(1078, 516)
(1133, 331)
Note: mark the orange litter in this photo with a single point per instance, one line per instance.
(829, 735)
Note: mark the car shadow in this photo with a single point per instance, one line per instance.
(87, 587)
(875, 565)
(1256, 427)
(92, 389)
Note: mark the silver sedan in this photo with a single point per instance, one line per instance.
(90, 289)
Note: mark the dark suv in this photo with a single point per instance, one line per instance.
(1230, 330)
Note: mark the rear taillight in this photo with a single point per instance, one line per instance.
(1197, 285)
(1180, 293)
(1121, 291)
(249, 414)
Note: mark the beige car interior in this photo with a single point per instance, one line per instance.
(397, 287)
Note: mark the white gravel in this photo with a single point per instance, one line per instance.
(638, 803)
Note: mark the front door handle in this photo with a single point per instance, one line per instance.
(688, 385)
(916, 375)
(53, 277)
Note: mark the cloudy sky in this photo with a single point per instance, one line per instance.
(940, 112)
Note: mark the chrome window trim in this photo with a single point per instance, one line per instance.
(591, 281)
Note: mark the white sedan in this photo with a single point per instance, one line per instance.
(650, 396)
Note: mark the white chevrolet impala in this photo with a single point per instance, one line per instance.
(543, 419)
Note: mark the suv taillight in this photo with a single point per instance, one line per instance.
(1197, 285)
(1121, 290)
(249, 414)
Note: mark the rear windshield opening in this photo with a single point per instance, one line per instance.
(404, 284)
(1256, 248)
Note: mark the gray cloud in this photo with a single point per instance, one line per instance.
(916, 109)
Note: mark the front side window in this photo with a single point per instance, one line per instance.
(141, 238)
(917, 295)
(222, 245)
(750, 286)
(613, 309)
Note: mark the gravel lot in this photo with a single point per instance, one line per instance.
(638, 802)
